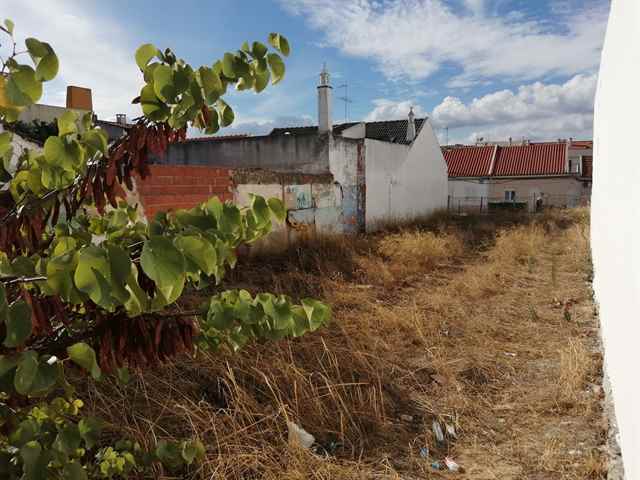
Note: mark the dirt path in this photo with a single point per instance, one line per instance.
(516, 365)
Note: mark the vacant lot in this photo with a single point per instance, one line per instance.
(483, 328)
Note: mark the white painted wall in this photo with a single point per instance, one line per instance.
(615, 227)
(468, 188)
(404, 182)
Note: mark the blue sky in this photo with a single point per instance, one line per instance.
(483, 68)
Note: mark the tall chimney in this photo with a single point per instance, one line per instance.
(411, 126)
(324, 102)
(79, 98)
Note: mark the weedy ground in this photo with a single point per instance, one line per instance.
(485, 325)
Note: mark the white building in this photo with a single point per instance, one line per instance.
(343, 178)
(615, 220)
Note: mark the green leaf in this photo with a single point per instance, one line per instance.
(169, 453)
(96, 140)
(67, 123)
(317, 312)
(47, 68)
(68, 439)
(74, 471)
(46, 379)
(277, 67)
(23, 88)
(261, 80)
(260, 210)
(18, 325)
(277, 209)
(144, 54)
(26, 372)
(211, 84)
(36, 48)
(228, 65)
(258, 50)
(34, 461)
(7, 364)
(4, 306)
(163, 263)
(90, 428)
(199, 251)
(163, 83)
(152, 107)
(83, 355)
(226, 113)
(93, 276)
(123, 375)
(280, 43)
(9, 24)
(193, 450)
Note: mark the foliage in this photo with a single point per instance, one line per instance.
(86, 283)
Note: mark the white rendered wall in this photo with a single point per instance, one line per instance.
(615, 226)
(404, 182)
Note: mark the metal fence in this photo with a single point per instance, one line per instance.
(526, 204)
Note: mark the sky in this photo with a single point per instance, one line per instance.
(490, 69)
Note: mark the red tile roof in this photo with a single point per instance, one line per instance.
(533, 159)
(469, 161)
(505, 161)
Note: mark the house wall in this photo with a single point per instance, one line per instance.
(285, 153)
(45, 113)
(615, 220)
(404, 182)
(468, 193)
(557, 192)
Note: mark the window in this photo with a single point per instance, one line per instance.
(509, 195)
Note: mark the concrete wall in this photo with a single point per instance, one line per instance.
(615, 225)
(557, 191)
(313, 203)
(347, 165)
(45, 113)
(404, 182)
(286, 153)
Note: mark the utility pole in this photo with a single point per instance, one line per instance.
(346, 99)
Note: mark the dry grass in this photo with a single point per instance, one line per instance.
(455, 319)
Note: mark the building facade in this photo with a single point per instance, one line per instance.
(345, 178)
(529, 176)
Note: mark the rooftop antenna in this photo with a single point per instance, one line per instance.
(446, 135)
(346, 99)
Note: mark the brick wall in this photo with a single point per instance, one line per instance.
(171, 187)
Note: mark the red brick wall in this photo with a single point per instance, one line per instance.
(171, 187)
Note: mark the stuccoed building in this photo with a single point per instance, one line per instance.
(343, 178)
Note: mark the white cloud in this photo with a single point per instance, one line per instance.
(476, 6)
(94, 52)
(389, 110)
(412, 39)
(535, 111)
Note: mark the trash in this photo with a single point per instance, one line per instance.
(451, 465)
(406, 418)
(510, 354)
(299, 436)
(424, 452)
(436, 465)
(437, 431)
(451, 430)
